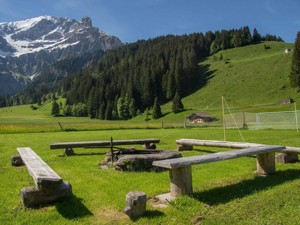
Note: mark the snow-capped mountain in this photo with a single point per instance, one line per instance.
(29, 46)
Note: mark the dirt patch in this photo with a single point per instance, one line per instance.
(110, 216)
(156, 203)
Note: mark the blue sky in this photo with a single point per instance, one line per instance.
(131, 20)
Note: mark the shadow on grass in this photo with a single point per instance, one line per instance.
(72, 207)
(210, 151)
(150, 214)
(153, 214)
(228, 193)
(84, 154)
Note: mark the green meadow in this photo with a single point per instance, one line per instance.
(227, 192)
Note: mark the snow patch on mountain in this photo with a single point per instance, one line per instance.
(42, 33)
(30, 46)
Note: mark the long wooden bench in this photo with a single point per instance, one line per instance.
(187, 144)
(68, 146)
(288, 155)
(49, 186)
(180, 170)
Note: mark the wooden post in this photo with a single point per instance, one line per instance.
(265, 163)
(296, 116)
(112, 151)
(61, 126)
(181, 181)
(224, 122)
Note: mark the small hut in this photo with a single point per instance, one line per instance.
(201, 118)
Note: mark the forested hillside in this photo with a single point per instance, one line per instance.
(126, 81)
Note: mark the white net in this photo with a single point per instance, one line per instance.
(277, 120)
(265, 120)
(240, 120)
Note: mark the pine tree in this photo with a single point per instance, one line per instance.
(156, 112)
(123, 108)
(177, 105)
(256, 36)
(295, 71)
(108, 111)
(55, 108)
(132, 108)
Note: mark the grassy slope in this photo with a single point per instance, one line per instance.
(252, 79)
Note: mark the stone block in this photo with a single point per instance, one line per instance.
(135, 204)
(33, 196)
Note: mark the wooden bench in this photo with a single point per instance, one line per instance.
(180, 170)
(288, 155)
(68, 146)
(49, 186)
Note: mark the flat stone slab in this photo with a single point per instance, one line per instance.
(141, 160)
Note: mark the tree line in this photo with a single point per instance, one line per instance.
(295, 68)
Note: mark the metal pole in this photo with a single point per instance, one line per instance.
(224, 122)
(296, 116)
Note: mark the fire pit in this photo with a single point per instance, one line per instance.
(138, 160)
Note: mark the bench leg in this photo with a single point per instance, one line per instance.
(16, 160)
(149, 146)
(265, 163)
(33, 196)
(181, 181)
(184, 147)
(69, 151)
(287, 158)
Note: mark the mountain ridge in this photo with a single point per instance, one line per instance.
(29, 46)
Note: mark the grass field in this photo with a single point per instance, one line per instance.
(225, 192)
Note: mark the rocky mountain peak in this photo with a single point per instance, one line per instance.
(29, 46)
(87, 22)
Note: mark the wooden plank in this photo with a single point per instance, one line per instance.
(230, 144)
(38, 169)
(215, 143)
(290, 149)
(200, 159)
(89, 144)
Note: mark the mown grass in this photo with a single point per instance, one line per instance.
(225, 192)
